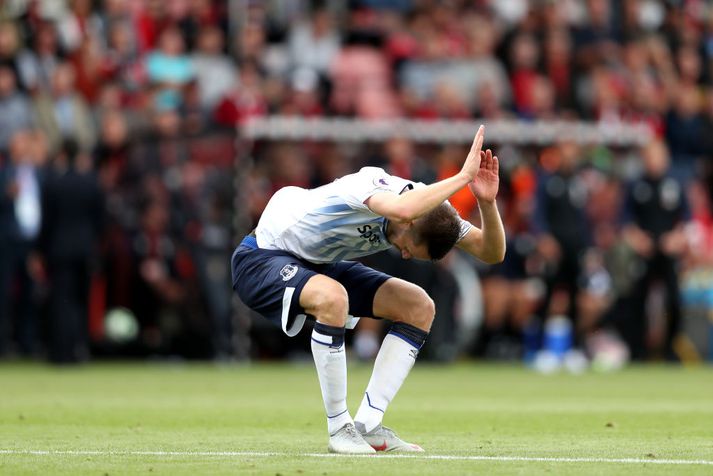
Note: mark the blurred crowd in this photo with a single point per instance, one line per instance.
(117, 149)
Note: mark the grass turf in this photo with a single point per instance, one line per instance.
(198, 410)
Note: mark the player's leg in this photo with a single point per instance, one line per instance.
(327, 300)
(412, 311)
(284, 288)
(372, 293)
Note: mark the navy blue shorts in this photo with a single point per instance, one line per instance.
(270, 282)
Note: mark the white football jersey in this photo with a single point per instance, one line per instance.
(330, 223)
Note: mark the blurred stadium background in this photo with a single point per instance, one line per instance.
(139, 140)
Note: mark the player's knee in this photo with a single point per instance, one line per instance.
(331, 305)
(421, 311)
(425, 312)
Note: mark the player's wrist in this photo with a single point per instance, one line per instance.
(465, 177)
(485, 201)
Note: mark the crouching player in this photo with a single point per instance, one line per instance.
(296, 265)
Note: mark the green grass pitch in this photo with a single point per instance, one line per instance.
(113, 419)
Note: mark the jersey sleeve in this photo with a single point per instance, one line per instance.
(357, 188)
(465, 227)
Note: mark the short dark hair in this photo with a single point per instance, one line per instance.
(439, 229)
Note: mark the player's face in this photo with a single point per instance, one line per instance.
(407, 246)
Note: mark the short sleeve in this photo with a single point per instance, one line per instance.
(465, 227)
(356, 188)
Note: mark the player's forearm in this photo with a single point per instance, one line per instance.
(421, 200)
(493, 233)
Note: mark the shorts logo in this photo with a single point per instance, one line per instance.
(288, 272)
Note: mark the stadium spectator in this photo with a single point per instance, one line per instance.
(215, 72)
(77, 24)
(596, 39)
(16, 112)
(251, 44)
(112, 159)
(245, 100)
(63, 114)
(313, 45)
(156, 285)
(73, 208)
(524, 57)
(558, 64)
(684, 127)
(150, 19)
(37, 64)
(168, 68)
(120, 60)
(654, 214)
(303, 95)
(9, 44)
(562, 226)
(20, 217)
(88, 64)
(198, 15)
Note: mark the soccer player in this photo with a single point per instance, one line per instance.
(295, 264)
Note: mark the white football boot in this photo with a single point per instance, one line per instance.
(347, 440)
(382, 438)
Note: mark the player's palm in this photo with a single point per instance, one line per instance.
(485, 185)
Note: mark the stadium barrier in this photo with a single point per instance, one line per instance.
(515, 132)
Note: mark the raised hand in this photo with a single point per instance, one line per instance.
(486, 182)
(472, 165)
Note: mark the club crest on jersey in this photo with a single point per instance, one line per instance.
(288, 272)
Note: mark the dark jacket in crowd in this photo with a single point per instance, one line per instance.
(73, 207)
(560, 210)
(8, 223)
(656, 205)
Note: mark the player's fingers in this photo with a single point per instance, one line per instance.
(496, 164)
(482, 159)
(478, 140)
(474, 145)
(489, 159)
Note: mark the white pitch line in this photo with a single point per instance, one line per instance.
(258, 454)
